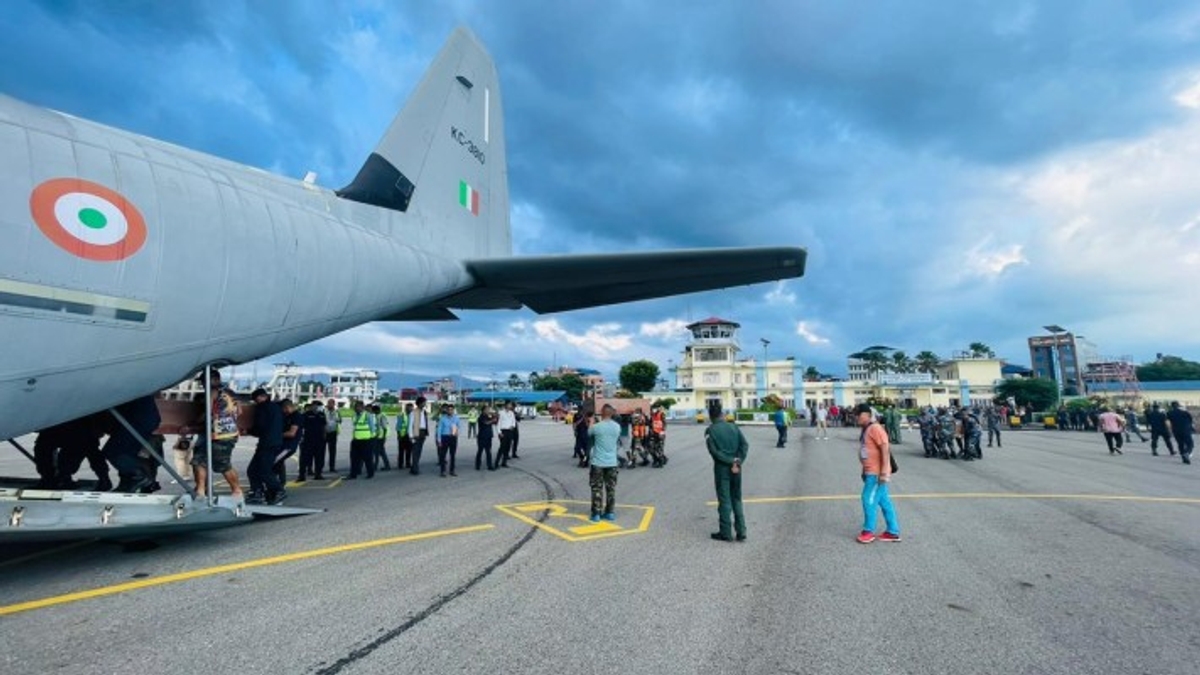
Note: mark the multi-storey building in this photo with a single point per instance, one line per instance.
(1062, 357)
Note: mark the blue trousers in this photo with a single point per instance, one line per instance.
(874, 499)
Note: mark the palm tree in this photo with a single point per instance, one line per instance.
(980, 350)
(927, 362)
(876, 363)
(901, 363)
(811, 374)
(515, 381)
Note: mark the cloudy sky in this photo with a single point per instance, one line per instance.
(958, 170)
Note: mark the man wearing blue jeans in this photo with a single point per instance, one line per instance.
(875, 454)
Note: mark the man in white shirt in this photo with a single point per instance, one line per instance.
(507, 425)
(822, 422)
(418, 431)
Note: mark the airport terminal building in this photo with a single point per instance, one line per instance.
(713, 368)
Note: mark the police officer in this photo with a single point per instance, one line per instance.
(122, 447)
(993, 427)
(1182, 427)
(728, 448)
(268, 427)
(312, 445)
(361, 448)
(381, 432)
(1156, 419)
(293, 422)
(403, 444)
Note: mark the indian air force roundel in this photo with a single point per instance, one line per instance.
(87, 219)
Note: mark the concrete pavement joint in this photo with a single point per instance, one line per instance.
(442, 601)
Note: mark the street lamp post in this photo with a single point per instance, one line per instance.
(766, 368)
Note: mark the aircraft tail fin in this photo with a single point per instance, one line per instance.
(443, 157)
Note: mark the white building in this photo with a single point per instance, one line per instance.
(346, 386)
(712, 369)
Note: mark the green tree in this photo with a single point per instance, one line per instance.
(665, 403)
(927, 362)
(548, 383)
(901, 363)
(624, 393)
(876, 362)
(571, 383)
(638, 376)
(515, 381)
(1168, 368)
(1034, 393)
(811, 374)
(980, 350)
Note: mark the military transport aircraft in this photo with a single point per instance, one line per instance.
(129, 263)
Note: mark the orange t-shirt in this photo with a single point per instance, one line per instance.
(872, 445)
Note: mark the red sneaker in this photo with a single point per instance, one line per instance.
(888, 536)
(866, 537)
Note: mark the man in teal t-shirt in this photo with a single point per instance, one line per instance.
(604, 435)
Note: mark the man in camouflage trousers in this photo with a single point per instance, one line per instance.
(603, 475)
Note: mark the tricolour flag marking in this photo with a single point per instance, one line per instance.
(468, 197)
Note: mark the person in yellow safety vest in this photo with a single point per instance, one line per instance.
(658, 437)
(381, 432)
(361, 447)
(640, 430)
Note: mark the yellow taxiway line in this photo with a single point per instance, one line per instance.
(973, 495)
(234, 567)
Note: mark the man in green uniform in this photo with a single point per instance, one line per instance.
(728, 448)
(891, 423)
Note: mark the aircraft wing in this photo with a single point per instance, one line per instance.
(558, 283)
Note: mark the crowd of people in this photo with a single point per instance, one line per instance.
(604, 443)
(1120, 425)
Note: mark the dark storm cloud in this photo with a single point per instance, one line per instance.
(875, 134)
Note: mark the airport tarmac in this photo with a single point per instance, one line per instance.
(1049, 556)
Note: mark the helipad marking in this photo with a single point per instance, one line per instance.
(975, 495)
(586, 530)
(224, 569)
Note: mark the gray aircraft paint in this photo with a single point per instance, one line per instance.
(216, 279)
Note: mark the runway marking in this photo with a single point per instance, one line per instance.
(315, 484)
(586, 530)
(234, 567)
(974, 495)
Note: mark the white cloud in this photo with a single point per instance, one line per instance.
(373, 339)
(667, 329)
(993, 263)
(1189, 96)
(780, 295)
(805, 331)
(598, 341)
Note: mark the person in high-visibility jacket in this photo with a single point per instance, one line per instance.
(381, 432)
(658, 437)
(361, 447)
(637, 446)
(404, 452)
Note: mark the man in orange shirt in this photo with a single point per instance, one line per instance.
(875, 454)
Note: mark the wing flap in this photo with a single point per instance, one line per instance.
(559, 283)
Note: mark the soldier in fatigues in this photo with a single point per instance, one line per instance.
(603, 460)
(728, 448)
